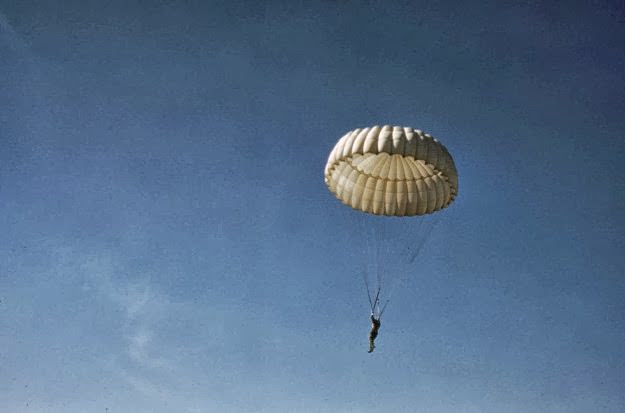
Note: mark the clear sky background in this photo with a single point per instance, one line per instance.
(167, 242)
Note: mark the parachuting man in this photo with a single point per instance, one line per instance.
(375, 321)
(375, 326)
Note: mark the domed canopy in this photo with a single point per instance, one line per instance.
(392, 170)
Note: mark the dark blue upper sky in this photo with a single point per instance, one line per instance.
(167, 242)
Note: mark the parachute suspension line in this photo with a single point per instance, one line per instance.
(384, 307)
(387, 247)
(372, 234)
(427, 231)
(387, 238)
(376, 304)
(376, 301)
(371, 252)
(424, 229)
(377, 258)
(418, 230)
(429, 226)
(415, 252)
(364, 277)
(379, 247)
(383, 234)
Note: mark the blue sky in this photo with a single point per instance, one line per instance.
(168, 244)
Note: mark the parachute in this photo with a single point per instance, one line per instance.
(391, 176)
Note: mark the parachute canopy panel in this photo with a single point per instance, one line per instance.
(392, 170)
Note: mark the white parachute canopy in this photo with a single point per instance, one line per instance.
(392, 171)
(389, 172)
